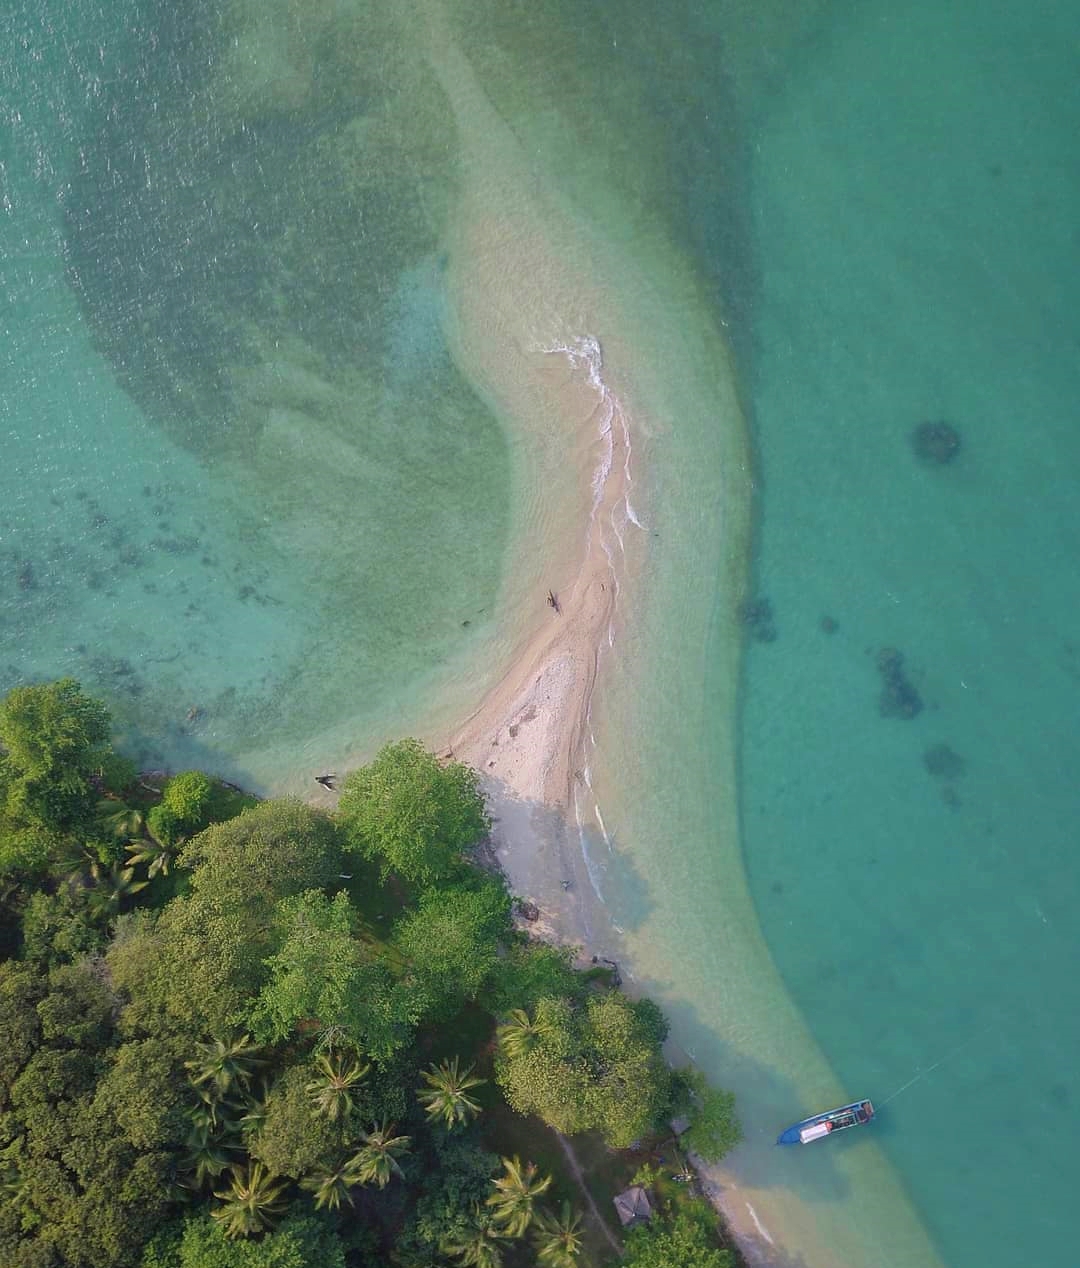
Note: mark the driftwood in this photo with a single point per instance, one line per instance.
(553, 601)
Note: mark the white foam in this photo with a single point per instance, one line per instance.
(590, 870)
(584, 352)
(759, 1226)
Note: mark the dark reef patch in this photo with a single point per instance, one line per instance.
(757, 616)
(944, 762)
(935, 443)
(898, 698)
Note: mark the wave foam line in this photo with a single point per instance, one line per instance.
(584, 352)
(759, 1226)
(590, 871)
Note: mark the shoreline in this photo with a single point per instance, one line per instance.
(529, 741)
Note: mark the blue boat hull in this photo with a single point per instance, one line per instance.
(857, 1114)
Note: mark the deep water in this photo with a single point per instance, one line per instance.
(915, 202)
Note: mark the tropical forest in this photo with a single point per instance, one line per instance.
(244, 1033)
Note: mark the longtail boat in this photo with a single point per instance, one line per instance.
(857, 1114)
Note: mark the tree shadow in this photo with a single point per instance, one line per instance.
(587, 889)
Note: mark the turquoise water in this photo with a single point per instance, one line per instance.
(249, 497)
(915, 204)
(246, 494)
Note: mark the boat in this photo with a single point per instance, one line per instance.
(857, 1114)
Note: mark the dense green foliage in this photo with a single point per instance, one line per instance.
(212, 1055)
(681, 1241)
(413, 815)
(54, 740)
(590, 1066)
(714, 1127)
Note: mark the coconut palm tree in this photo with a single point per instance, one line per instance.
(254, 1116)
(479, 1245)
(376, 1161)
(216, 1115)
(157, 856)
(332, 1090)
(330, 1184)
(109, 888)
(16, 1192)
(514, 1200)
(224, 1064)
(118, 820)
(251, 1202)
(446, 1096)
(207, 1151)
(518, 1035)
(558, 1237)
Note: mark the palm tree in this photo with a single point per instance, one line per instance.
(14, 1187)
(515, 1196)
(518, 1035)
(446, 1096)
(216, 1115)
(120, 821)
(208, 1152)
(251, 1202)
(223, 1064)
(109, 888)
(477, 1246)
(558, 1237)
(376, 1161)
(252, 1120)
(159, 857)
(332, 1091)
(330, 1184)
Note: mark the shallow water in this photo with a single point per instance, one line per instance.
(248, 495)
(268, 483)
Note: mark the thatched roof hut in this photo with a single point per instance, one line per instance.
(633, 1207)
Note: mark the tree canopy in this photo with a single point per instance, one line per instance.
(54, 741)
(214, 1056)
(411, 814)
(592, 1066)
(714, 1127)
(452, 940)
(680, 1241)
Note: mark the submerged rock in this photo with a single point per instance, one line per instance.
(935, 443)
(757, 616)
(898, 699)
(944, 762)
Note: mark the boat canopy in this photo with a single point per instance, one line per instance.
(814, 1132)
